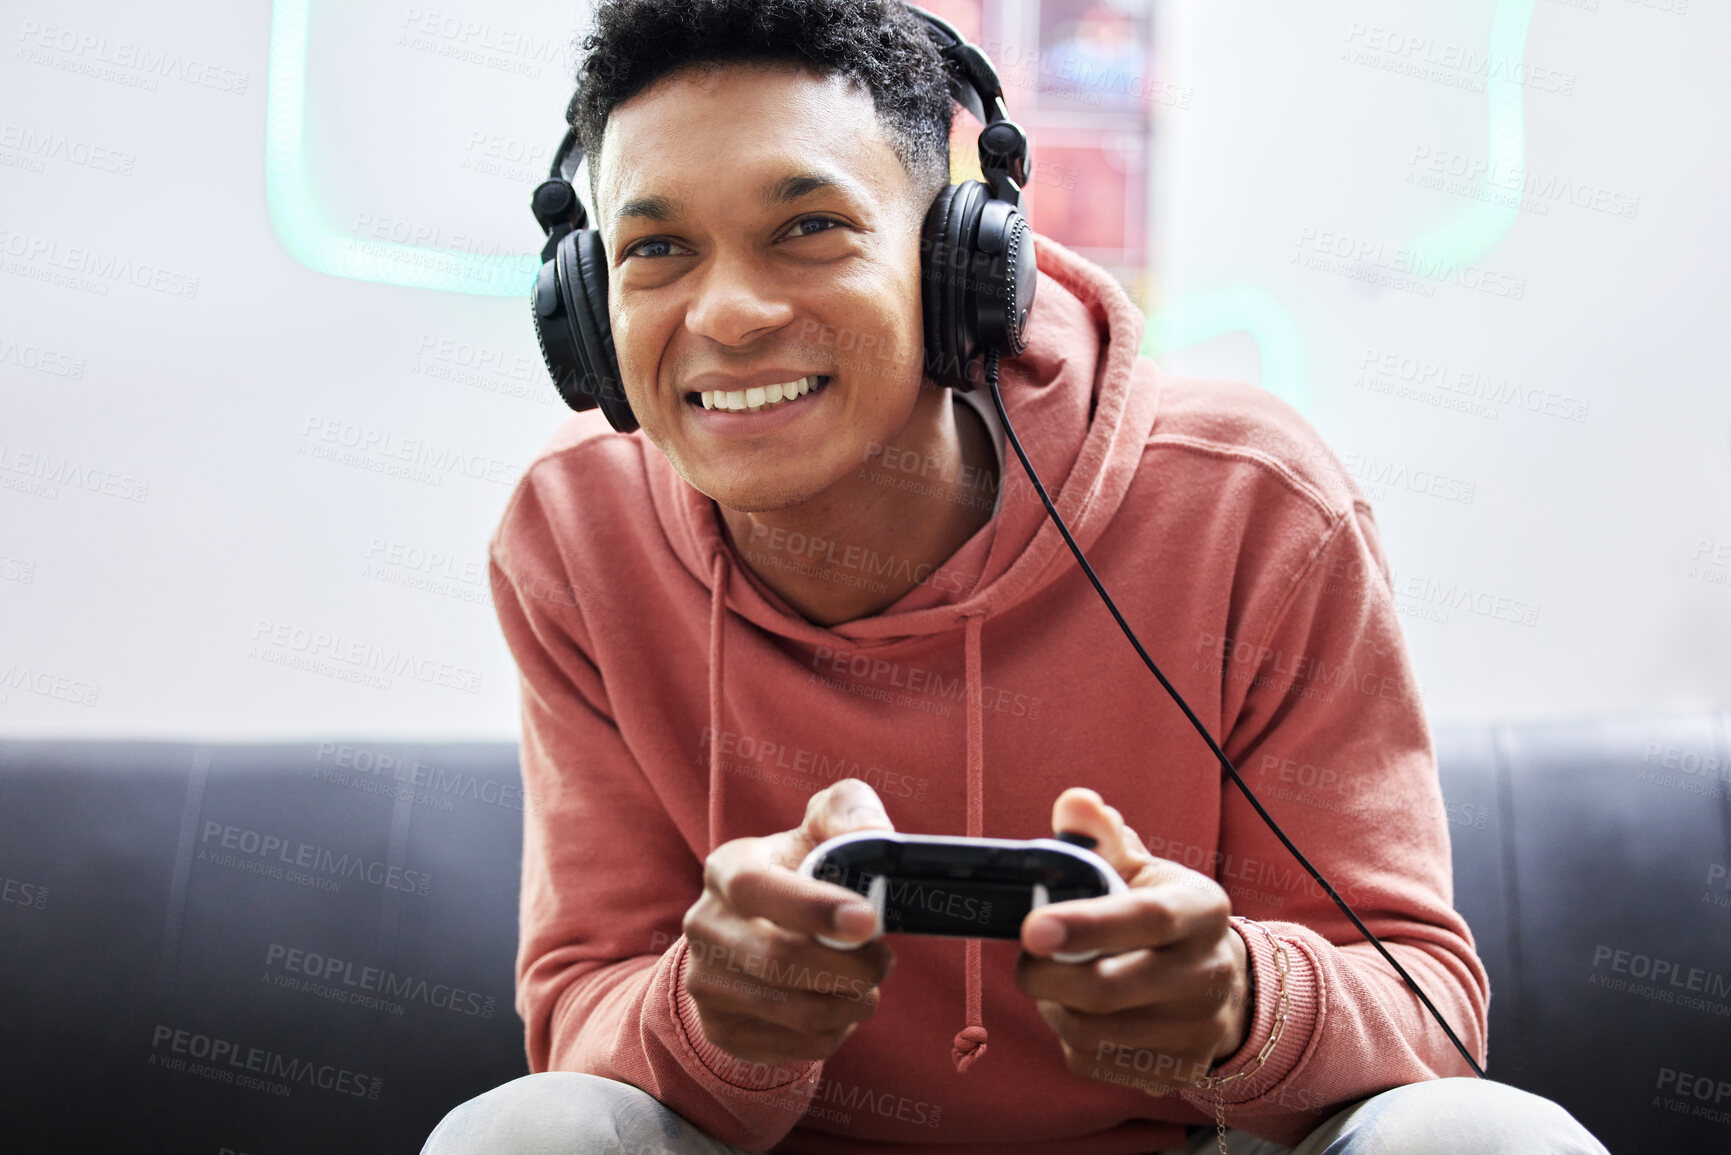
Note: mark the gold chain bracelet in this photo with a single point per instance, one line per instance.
(1282, 967)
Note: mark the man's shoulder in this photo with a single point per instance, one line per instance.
(584, 479)
(1221, 426)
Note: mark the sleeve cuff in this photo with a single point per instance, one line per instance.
(1302, 1007)
(737, 1074)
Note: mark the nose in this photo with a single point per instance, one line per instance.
(736, 302)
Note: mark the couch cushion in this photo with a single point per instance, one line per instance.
(292, 948)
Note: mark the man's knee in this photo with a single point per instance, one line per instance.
(1450, 1115)
(552, 1113)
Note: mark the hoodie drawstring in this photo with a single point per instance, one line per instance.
(718, 576)
(969, 1045)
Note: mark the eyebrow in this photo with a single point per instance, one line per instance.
(784, 191)
(791, 188)
(649, 208)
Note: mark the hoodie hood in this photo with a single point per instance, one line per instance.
(1083, 418)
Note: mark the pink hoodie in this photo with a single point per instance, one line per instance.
(671, 702)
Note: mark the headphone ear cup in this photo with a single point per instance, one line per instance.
(554, 331)
(956, 276)
(570, 308)
(941, 365)
(595, 331)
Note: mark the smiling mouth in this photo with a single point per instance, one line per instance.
(758, 398)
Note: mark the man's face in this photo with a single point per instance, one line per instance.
(760, 231)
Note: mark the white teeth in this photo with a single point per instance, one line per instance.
(758, 396)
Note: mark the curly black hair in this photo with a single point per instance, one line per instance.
(878, 43)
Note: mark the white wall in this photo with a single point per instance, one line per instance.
(151, 609)
(1298, 128)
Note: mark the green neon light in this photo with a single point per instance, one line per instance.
(1241, 308)
(1482, 225)
(323, 249)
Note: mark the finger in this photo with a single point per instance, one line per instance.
(745, 877)
(755, 970)
(838, 1000)
(1170, 1050)
(1083, 811)
(847, 806)
(1149, 981)
(1162, 914)
(722, 938)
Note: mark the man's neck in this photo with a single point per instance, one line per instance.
(860, 546)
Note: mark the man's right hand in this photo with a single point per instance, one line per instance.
(766, 990)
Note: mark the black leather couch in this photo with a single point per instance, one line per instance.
(307, 949)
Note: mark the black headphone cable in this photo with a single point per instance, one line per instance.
(1015, 442)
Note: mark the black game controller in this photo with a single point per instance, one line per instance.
(961, 887)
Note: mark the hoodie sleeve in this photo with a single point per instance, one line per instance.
(1326, 726)
(607, 877)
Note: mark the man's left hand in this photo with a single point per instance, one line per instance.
(1169, 994)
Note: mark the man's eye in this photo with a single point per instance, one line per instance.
(651, 247)
(813, 225)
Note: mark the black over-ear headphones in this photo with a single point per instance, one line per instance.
(976, 257)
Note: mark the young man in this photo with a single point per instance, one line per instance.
(811, 597)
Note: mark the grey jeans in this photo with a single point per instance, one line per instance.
(565, 1113)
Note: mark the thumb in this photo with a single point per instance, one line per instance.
(847, 806)
(1082, 811)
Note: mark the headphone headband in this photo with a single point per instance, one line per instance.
(974, 84)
